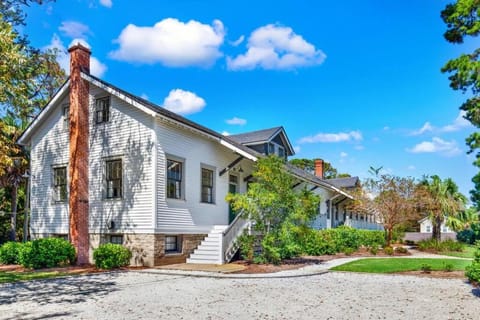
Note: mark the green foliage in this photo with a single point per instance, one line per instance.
(371, 238)
(401, 250)
(448, 267)
(388, 250)
(329, 172)
(109, 256)
(392, 265)
(373, 250)
(247, 243)
(470, 235)
(472, 272)
(46, 253)
(9, 252)
(440, 246)
(426, 268)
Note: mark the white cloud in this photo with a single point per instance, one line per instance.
(172, 43)
(437, 145)
(343, 154)
(236, 121)
(297, 149)
(225, 133)
(74, 29)
(183, 102)
(106, 3)
(458, 124)
(427, 127)
(411, 167)
(273, 47)
(63, 58)
(237, 42)
(144, 96)
(333, 137)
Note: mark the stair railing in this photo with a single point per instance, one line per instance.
(230, 235)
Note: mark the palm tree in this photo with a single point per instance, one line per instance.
(463, 220)
(441, 200)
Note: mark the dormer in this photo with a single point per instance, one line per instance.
(267, 141)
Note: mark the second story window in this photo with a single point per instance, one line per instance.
(60, 183)
(113, 179)
(102, 110)
(174, 179)
(66, 117)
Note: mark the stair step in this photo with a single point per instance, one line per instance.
(203, 247)
(201, 261)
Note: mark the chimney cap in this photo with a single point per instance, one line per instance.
(79, 44)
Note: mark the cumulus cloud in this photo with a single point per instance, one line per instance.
(437, 145)
(343, 154)
(172, 43)
(74, 29)
(237, 42)
(183, 102)
(427, 127)
(97, 68)
(236, 121)
(106, 3)
(274, 47)
(297, 149)
(458, 124)
(333, 137)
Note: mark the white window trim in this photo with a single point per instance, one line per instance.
(214, 182)
(184, 176)
(104, 177)
(52, 183)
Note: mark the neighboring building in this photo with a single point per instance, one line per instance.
(426, 226)
(108, 166)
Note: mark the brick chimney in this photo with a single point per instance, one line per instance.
(319, 168)
(78, 164)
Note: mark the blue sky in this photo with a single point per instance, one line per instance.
(357, 83)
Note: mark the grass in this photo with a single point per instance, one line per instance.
(392, 265)
(14, 276)
(467, 252)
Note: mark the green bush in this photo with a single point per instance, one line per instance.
(466, 236)
(448, 267)
(109, 256)
(472, 272)
(9, 252)
(46, 253)
(370, 238)
(426, 268)
(440, 246)
(247, 243)
(401, 250)
(388, 250)
(373, 250)
(348, 251)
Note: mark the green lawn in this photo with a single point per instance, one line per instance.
(13, 276)
(391, 265)
(466, 253)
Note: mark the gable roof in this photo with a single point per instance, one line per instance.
(263, 136)
(347, 182)
(156, 110)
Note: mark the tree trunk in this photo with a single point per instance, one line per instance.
(436, 231)
(389, 235)
(13, 219)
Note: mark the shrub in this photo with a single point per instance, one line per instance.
(374, 250)
(370, 238)
(401, 250)
(247, 243)
(426, 268)
(9, 252)
(439, 246)
(348, 251)
(466, 236)
(109, 256)
(46, 253)
(346, 238)
(472, 272)
(448, 267)
(388, 250)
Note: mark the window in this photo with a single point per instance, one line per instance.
(173, 244)
(428, 229)
(60, 183)
(271, 148)
(102, 110)
(174, 179)
(66, 117)
(113, 179)
(281, 152)
(116, 239)
(207, 185)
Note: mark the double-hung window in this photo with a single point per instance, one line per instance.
(60, 183)
(173, 244)
(207, 185)
(102, 110)
(174, 179)
(66, 117)
(113, 178)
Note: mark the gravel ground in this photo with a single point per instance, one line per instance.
(334, 295)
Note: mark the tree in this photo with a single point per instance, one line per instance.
(440, 199)
(390, 197)
(463, 21)
(275, 206)
(463, 220)
(329, 172)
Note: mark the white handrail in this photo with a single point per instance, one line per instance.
(230, 235)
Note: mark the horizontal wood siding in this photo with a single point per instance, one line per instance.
(128, 135)
(49, 147)
(190, 214)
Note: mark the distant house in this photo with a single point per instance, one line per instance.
(426, 226)
(108, 166)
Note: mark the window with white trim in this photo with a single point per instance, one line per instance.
(207, 186)
(113, 177)
(428, 229)
(102, 109)
(174, 179)
(173, 244)
(60, 183)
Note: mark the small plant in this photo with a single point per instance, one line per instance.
(373, 250)
(401, 250)
(46, 253)
(448, 267)
(472, 272)
(388, 250)
(246, 246)
(9, 252)
(349, 251)
(109, 256)
(426, 268)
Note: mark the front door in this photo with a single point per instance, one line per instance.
(232, 188)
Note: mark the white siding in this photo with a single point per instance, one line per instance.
(128, 135)
(426, 226)
(49, 147)
(190, 214)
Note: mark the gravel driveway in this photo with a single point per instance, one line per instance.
(334, 295)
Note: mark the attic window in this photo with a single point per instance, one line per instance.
(66, 117)
(281, 152)
(102, 110)
(271, 148)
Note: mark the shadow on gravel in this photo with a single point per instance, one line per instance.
(74, 289)
(476, 292)
(26, 316)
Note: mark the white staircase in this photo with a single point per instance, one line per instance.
(210, 251)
